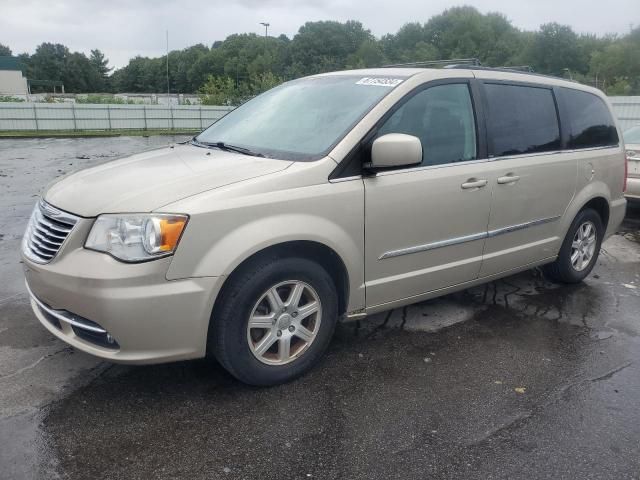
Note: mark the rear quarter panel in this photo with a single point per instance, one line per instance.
(600, 174)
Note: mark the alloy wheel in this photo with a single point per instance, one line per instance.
(583, 246)
(284, 322)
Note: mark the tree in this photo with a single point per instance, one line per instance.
(99, 71)
(100, 63)
(401, 47)
(219, 91)
(463, 32)
(4, 51)
(555, 49)
(78, 73)
(180, 64)
(48, 62)
(209, 63)
(369, 54)
(264, 81)
(253, 63)
(325, 46)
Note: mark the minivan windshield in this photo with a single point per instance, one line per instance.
(632, 135)
(299, 120)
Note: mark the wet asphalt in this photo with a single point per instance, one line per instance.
(519, 378)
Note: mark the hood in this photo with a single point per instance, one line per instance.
(146, 181)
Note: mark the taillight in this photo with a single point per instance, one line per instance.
(626, 171)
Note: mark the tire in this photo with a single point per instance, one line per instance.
(564, 270)
(246, 295)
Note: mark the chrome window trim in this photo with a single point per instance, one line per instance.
(428, 167)
(552, 152)
(467, 238)
(527, 155)
(63, 315)
(345, 179)
(589, 149)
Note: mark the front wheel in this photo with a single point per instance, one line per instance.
(274, 320)
(580, 249)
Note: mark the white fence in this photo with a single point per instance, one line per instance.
(627, 109)
(70, 116)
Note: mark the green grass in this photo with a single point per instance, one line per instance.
(90, 133)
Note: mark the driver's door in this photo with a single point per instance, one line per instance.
(425, 226)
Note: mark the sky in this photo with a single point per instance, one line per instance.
(123, 29)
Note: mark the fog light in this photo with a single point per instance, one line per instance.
(110, 339)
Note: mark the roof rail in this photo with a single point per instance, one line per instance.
(509, 70)
(519, 68)
(437, 63)
(472, 64)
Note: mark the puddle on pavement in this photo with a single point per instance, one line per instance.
(524, 295)
(194, 420)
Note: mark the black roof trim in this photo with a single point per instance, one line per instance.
(474, 64)
(508, 70)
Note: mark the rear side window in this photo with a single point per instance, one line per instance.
(521, 120)
(590, 122)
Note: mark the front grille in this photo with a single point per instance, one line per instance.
(47, 230)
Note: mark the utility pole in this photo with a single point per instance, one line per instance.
(266, 30)
(168, 92)
(266, 34)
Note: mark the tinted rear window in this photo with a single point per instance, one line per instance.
(590, 123)
(521, 120)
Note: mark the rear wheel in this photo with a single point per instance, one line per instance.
(274, 320)
(580, 249)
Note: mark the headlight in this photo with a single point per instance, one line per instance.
(136, 237)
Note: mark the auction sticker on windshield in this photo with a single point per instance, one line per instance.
(380, 81)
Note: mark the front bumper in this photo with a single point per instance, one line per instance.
(149, 318)
(633, 188)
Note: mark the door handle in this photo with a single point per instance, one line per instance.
(508, 178)
(474, 183)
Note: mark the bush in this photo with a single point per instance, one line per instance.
(105, 99)
(225, 91)
(7, 98)
(620, 86)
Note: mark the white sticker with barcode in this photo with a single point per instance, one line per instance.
(380, 81)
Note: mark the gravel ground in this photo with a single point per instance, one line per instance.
(516, 379)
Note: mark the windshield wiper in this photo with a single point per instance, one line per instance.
(195, 142)
(231, 148)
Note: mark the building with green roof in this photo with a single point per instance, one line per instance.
(13, 83)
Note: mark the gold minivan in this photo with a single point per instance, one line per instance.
(332, 196)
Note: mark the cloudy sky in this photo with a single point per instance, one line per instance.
(125, 28)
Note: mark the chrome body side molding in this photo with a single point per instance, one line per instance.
(467, 238)
(521, 226)
(431, 246)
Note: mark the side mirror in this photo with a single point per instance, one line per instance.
(396, 150)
